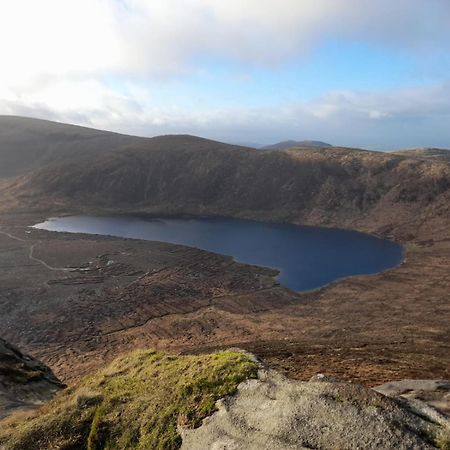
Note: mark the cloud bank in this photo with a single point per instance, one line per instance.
(59, 57)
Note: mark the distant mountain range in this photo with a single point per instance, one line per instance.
(291, 144)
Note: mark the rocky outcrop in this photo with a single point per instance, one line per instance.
(274, 413)
(163, 398)
(421, 393)
(25, 382)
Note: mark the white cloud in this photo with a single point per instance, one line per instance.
(62, 37)
(57, 38)
(402, 117)
(57, 53)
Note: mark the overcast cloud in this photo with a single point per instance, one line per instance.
(96, 62)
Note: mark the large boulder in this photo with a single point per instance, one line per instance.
(274, 413)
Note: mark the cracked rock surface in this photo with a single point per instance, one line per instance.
(275, 413)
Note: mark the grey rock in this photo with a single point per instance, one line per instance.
(274, 413)
(429, 394)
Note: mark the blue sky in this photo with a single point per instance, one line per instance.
(368, 73)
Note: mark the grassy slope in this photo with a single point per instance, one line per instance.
(135, 403)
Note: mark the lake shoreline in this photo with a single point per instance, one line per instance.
(289, 244)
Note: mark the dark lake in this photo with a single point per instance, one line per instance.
(307, 257)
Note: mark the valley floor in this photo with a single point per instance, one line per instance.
(77, 301)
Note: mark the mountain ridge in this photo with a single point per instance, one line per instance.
(28, 144)
(186, 176)
(290, 143)
(428, 153)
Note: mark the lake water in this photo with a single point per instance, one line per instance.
(307, 257)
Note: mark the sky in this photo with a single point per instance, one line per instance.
(361, 73)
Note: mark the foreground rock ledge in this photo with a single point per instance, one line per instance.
(154, 400)
(275, 413)
(25, 382)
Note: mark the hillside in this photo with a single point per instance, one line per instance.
(64, 167)
(371, 191)
(437, 154)
(153, 400)
(30, 144)
(25, 382)
(135, 403)
(27, 144)
(284, 145)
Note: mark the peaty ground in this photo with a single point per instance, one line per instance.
(77, 301)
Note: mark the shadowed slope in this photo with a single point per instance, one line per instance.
(25, 382)
(65, 167)
(27, 144)
(371, 191)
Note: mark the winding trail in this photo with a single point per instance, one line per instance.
(31, 251)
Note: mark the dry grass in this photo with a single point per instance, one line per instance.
(443, 439)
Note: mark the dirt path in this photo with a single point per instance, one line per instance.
(31, 251)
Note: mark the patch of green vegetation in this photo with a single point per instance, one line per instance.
(411, 247)
(135, 403)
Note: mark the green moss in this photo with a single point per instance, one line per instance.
(135, 403)
(94, 439)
